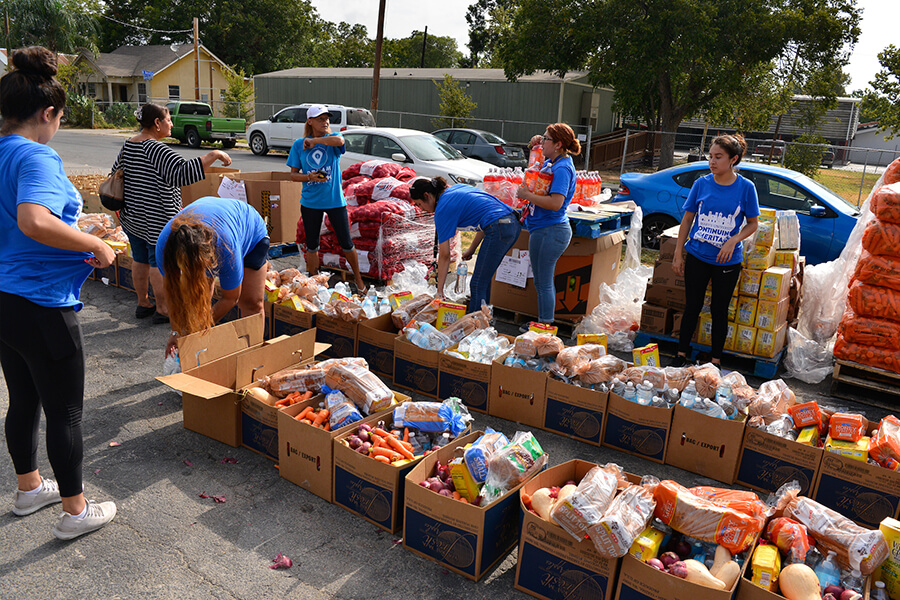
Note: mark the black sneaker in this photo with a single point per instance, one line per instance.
(680, 361)
(142, 312)
(159, 319)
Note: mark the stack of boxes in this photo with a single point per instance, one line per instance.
(762, 303)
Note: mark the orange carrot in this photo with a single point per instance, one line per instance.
(327, 426)
(456, 495)
(376, 438)
(382, 432)
(303, 413)
(307, 421)
(396, 445)
(390, 454)
(383, 459)
(320, 417)
(406, 434)
(407, 445)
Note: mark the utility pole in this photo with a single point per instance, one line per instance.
(424, 44)
(6, 27)
(379, 38)
(196, 59)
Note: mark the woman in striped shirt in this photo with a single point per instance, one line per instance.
(154, 175)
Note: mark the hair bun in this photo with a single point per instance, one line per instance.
(35, 60)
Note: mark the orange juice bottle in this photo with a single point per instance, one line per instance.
(531, 177)
(536, 156)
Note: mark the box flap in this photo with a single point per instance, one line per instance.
(195, 386)
(201, 348)
(273, 357)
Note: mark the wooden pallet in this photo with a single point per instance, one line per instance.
(863, 376)
(765, 368)
(566, 327)
(597, 224)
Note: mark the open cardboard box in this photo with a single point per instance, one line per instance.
(211, 404)
(704, 445)
(551, 564)
(277, 198)
(306, 453)
(862, 492)
(259, 421)
(467, 380)
(340, 334)
(464, 538)
(287, 320)
(518, 395)
(636, 429)
(208, 186)
(415, 368)
(768, 461)
(375, 343)
(574, 411)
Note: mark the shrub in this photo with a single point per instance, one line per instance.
(120, 114)
(805, 154)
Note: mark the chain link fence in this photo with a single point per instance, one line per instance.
(84, 111)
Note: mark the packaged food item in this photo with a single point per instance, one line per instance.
(856, 547)
(874, 301)
(624, 520)
(398, 298)
(362, 386)
(774, 284)
(448, 313)
(885, 203)
(749, 283)
(600, 370)
(284, 382)
(809, 436)
(543, 328)
(525, 345)
(890, 568)
(858, 450)
(588, 503)
(478, 454)
(678, 378)
(746, 310)
(773, 398)
(790, 536)
(746, 502)
(571, 358)
(873, 356)
(805, 414)
(511, 465)
(885, 443)
(468, 324)
(463, 481)
(591, 338)
(405, 313)
(707, 378)
(548, 345)
(869, 331)
(450, 415)
(647, 544)
(342, 411)
(765, 566)
(847, 426)
(646, 356)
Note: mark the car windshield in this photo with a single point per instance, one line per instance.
(823, 191)
(428, 147)
(492, 139)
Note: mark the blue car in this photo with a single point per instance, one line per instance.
(826, 220)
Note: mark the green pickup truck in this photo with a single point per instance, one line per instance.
(192, 122)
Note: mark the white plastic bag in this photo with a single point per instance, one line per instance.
(806, 359)
(618, 314)
(633, 241)
(413, 278)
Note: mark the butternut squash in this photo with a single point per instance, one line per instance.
(723, 556)
(728, 573)
(698, 573)
(799, 582)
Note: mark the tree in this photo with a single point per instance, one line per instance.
(406, 53)
(668, 60)
(484, 18)
(238, 96)
(349, 46)
(456, 105)
(59, 25)
(749, 107)
(882, 102)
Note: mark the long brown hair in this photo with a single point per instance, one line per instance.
(189, 259)
(562, 133)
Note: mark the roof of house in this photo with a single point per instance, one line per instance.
(131, 61)
(390, 73)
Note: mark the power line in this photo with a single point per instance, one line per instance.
(146, 28)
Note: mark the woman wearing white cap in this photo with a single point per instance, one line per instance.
(315, 161)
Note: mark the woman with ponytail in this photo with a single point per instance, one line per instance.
(545, 216)
(44, 261)
(464, 207)
(212, 236)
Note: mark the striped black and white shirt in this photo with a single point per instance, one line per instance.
(154, 174)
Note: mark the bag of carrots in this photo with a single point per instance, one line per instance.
(885, 203)
(878, 270)
(882, 238)
(892, 173)
(882, 358)
(874, 301)
(869, 331)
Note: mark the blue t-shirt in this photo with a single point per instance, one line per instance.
(462, 206)
(33, 173)
(238, 229)
(563, 183)
(319, 194)
(721, 210)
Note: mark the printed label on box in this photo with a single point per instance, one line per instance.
(633, 437)
(765, 472)
(341, 346)
(838, 488)
(441, 541)
(554, 577)
(573, 420)
(415, 377)
(380, 360)
(363, 497)
(259, 436)
(474, 394)
(502, 521)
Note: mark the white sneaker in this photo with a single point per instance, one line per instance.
(25, 504)
(98, 515)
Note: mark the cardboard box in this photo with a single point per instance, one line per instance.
(664, 275)
(306, 453)
(771, 315)
(656, 319)
(770, 343)
(469, 381)
(415, 368)
(759, 258)
(124, 267)
(704, 445)
(703, 335)
(676, 323)
(574, 411)
(585, 264)
(668, 240)
(768, 461)
(551, 564)
(639, 430)
(375, 343)
(862, 492)
(288, 321)
(108, 275)
(277, 199)
(211, 405)
(366, 487)
(639, 581)
(259, 421)
(91, 204)
(749, 282)
(667, 297)
(464, 538)
(518, 395)
(744, 339)
(337, 332)
(788, 259)
(774, 284)
(208, 186)
(746, 311)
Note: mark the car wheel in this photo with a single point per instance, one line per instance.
(653, 226)
(258, 144)
(192, 138)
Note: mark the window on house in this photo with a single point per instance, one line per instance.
(142, 93)
(92, 89)
(174, 92)
(221, 94)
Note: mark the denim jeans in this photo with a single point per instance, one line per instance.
(545, 247)
(499, 237)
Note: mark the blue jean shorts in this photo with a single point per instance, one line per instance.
(142, 251)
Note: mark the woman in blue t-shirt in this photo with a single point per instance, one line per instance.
(714, 215)
(463, 206)
(316, 161)
(218, 236)
(545, 216)
(42, 269)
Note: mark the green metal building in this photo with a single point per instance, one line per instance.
(409, 98)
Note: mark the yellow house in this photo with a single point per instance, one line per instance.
(139, 74)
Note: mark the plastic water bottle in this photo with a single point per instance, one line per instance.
(670, 396)
(689, 395)
(644, 393)
(709, 408)
(828, 572)
(658, 402)
(384, 306)
(618, 387)
(854, 580)
(341, 287)
(369, 308)
(630, 393)
(723, 392)
(462, 272)
(879, 593)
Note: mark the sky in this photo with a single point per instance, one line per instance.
(879, 22)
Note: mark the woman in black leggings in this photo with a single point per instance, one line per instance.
(714, 226)
(44, 260)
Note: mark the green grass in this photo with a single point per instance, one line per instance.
(846, 184)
